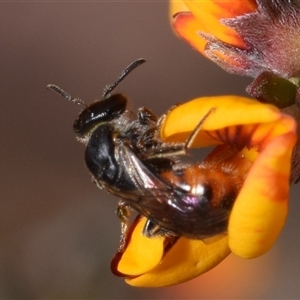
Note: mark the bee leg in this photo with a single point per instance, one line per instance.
(152, 230)
(123, 213)
(189, 142)
(146, 116)
(170, 150)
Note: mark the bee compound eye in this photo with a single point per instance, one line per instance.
(99, 112)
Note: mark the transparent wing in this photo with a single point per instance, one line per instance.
(161, 202)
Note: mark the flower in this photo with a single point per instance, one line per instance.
(244, 37)
(255, 141)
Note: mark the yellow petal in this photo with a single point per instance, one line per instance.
(186, 259)
(142, 254)
(260, 210)
(266, 137)
(227, 111)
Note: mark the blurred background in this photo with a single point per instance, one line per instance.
(58, 231)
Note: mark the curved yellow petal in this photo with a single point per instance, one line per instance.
(186, 260)
(266, 137)
(224, 111)
(260, 210)
(186, 25)
(142, 254)
(245, 128)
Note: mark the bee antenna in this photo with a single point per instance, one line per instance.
(64, 94)
(130, 68)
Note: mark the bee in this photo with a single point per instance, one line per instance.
(127, 158)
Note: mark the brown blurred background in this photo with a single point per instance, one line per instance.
(58, 231)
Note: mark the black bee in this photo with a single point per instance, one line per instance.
(128, 159)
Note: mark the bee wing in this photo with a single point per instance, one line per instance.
(139, 173)
(152, 193)
(163, 204)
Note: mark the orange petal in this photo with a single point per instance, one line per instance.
(228, 111)
(186, 259)
(260, 210)
(186, 25)
(209, 14)
(142, 254)
(176, 7)
(268, 138)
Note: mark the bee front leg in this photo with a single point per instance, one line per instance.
(152, 230)
(123, 213)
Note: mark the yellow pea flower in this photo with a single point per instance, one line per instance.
(256, 141)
